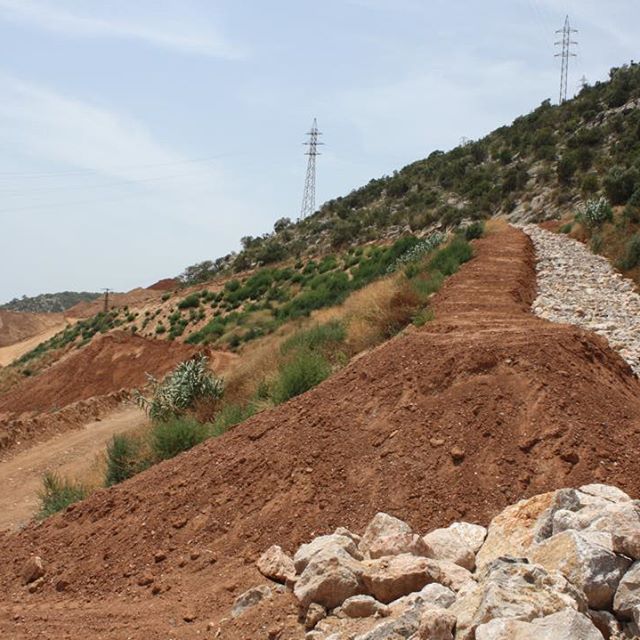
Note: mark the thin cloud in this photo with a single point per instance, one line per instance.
(159, 25)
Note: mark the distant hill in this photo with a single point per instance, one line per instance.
(49, 302)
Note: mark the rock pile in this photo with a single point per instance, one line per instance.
(578, 287)
(564, 565)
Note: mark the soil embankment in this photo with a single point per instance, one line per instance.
(456, 420)
(16, 326)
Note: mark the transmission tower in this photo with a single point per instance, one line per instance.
(309, 196)
(106, 299)
(566, 44)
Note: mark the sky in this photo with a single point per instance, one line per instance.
(138, 137)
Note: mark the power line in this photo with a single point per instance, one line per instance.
(566, 53)
(309, 195)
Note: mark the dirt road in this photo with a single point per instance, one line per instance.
(70, 454)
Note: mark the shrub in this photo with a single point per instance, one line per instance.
(190, 302)
(620, 184)
(189, 384)
(123, 460)
(57, 494)
(631, 258)
(316, 338)
(231, 415)
(303, 372)
(173, 436)
(474, 230)
(595, 213)
(566, 228)
(448, 260)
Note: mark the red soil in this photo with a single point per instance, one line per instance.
(166, 284)
(534, 406)
(16, 326)
(110, 363)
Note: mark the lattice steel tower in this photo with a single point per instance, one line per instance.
(309, 196)
(566, 43)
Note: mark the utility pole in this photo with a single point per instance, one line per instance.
(309, 196)
(566, 44)
(106, 299)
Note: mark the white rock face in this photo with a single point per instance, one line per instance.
(564, 625)
(329, 578)
(385, 532)
(448, 544)
(587, 565)
(511, 588)
(626, 603)
(276, 565)
(324, 544)
(578, 287)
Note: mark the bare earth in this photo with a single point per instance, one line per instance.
(14, 351)
(70, 454)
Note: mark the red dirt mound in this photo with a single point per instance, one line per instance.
(166, 284)
(475, 410)
(110, 363)
(16, 326)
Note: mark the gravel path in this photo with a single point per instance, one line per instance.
(578, 287)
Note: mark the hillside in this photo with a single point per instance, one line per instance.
(17, 326)
(49, 302)
(541, 166)
(482, 406)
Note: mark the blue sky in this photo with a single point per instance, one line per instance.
(140, 136)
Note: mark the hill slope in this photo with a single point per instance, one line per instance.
(49, 302)
(461, 417)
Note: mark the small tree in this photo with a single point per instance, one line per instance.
(595, 212)
(187, 386)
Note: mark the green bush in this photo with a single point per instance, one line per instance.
(188, 384)
(123, 459)
(171, 437)
(301, 373)
(316, 338)
(448, 259)
(231, 415)
(631, 258)
(620, 184)
(57, 494)
(190, 302)
(566, 228)
(594, 213)
(474, 230)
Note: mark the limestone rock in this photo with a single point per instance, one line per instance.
(325, 544)
(32, 569)
(330, 577)
(383, 526)
(390, 578)
(362, 607)
(605, 491)
(314, 614)
(276, 565)
(249, 599)
(606, 624)
(436, 624)
(564, 625)
(628, 594)
(473, 535)
(433, 594)
(513, 588)
(396, 544)
(511, 532)
(591, 567)
(447, 544)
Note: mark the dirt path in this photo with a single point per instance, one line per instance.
(70, 454)
(14, 351)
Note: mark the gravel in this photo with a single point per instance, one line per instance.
(578, 287)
